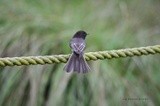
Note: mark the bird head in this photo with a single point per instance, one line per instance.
(80, 34)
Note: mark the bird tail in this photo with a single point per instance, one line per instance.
(77, 63)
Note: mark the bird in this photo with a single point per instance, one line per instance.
(76, 61)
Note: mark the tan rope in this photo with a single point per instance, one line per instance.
(34, 60)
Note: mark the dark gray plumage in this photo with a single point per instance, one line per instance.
(76, 61)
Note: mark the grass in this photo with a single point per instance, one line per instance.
(44, 27)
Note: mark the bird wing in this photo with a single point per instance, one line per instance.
(78, 47)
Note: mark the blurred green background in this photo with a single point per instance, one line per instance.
(44, 27)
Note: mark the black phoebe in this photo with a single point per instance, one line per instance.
(76, 62)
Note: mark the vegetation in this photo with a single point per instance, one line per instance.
(44, 27)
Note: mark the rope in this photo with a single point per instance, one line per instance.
(34, 60)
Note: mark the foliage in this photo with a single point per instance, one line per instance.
(44, 27)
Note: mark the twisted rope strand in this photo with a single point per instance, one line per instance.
(34, 60)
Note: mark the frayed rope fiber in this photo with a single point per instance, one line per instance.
(35, 60)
